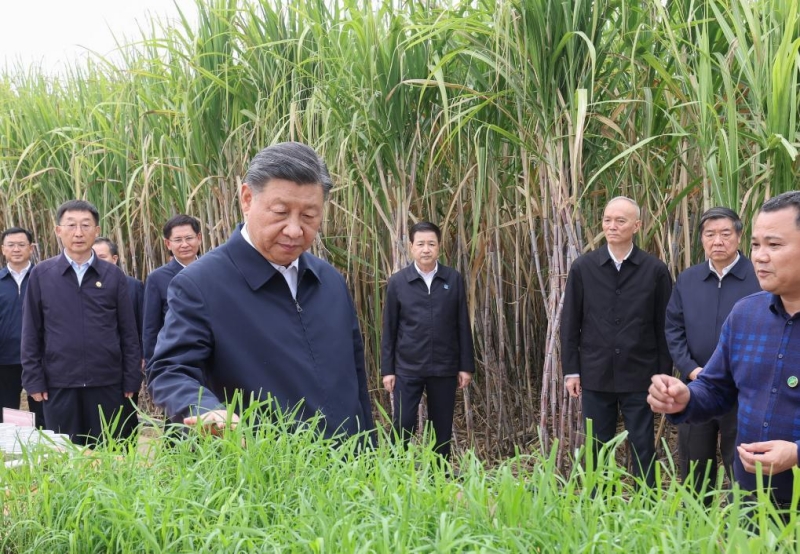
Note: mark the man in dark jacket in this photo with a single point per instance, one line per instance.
(108, 251)
(427, 339)
(703, 297)
(182, 239)
(261, 316)
(80, 348)
(612, 333)
(17, 250)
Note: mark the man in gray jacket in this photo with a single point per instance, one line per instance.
(427, 339)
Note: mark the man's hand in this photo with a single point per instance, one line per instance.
(213, 422)
(667, 395)
(464, 379)
(39, 396)
(128, 394)
(388, 383)
(774, 456)
(573, 386)
(695, 373)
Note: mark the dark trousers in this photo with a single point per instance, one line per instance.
(441, 395)
(697, 449)
(10, 387)
(11, 390)
(603, 409)
(80, 412)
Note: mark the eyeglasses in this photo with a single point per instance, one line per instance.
(181, 240)
(13, 245)
(84, 227)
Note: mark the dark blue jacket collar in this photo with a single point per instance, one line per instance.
(257, 270)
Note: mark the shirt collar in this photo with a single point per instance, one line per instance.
(295, 264)
(727, 269)
(76, 265)
(19, 274)
(429, 273)
(614, 259)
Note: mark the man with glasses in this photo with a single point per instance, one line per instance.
(182, 239)
(17, 251)
(80, 348)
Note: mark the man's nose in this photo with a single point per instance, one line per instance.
(293, 229)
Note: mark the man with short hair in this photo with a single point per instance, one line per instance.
(107, 250)
(427, 338)
(612, 333)
(703, 296)
(182, 239)
(755, 361)
(17, 251)
(262, 316)
(80, 349)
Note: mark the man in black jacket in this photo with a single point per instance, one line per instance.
(427, 338)
(80, 347)
(703, 297)
(612, 333)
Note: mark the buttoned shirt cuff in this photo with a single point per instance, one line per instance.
(571, 375)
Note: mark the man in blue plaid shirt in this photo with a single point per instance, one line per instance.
(757, 360)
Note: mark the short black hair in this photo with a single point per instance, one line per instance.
(179, 220)
(720, 212)
(292, 161)
(16, 231)
(424, 227)
(112, 246)
(77, 206)
(790, 199)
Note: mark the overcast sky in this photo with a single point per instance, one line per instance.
(48, 32)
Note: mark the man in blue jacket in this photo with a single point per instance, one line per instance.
(427, 339)
(182, 239)
(108, 251)
(262, 316)
(80, 347)
(703, 297)
(17, 250)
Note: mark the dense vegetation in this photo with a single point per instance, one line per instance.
(276, 488)
(510, 122)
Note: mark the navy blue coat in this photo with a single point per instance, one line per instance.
(155, 304)
(232, 325)
(698, 307)
(79, 336)
(136, 292)
(11, 297)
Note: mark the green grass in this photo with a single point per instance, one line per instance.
(281, 488)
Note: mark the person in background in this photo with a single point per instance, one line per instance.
(80, 348)
(703, 296)
(612, 334)
(182, 239)
(426, 344)
(17, 251)
(755, 362)
(263, 317)
(107, 250)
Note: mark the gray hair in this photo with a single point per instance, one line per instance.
(630, 201)
(291, 161)
(789, 199)
(720, 212)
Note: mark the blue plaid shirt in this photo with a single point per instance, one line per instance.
(757, 360)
